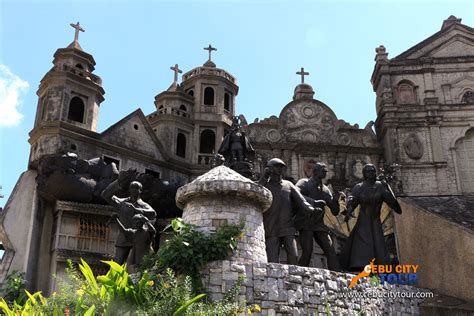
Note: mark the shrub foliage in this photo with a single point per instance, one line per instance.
(173, 288)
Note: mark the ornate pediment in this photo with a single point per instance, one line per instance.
(308, 121)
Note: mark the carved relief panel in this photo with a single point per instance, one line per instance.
(308, 122)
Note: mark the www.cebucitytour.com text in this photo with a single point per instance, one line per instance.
(384, 294)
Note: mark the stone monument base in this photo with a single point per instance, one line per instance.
(281, 289)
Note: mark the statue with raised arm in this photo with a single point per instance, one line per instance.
(135, 219)
(278, 219)
(311, 226)
(366, 240)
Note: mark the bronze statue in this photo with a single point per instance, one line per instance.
(67, 177)
(278, 219)
(135, 219)
(366, 240)
(141, 234)
(236, 145)
(311, 226)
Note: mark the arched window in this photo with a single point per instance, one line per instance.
(182, 107)
(79, 66)
(191, 92)
(207, 142)
(76, 110)
(468, 97)
(226, 102)
(181, 145)
(406, 92)
(209, 96)
(465, 164)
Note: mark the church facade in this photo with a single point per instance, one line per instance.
(424, 124)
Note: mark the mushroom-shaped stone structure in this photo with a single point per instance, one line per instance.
(224, 196)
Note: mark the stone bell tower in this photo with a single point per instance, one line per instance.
(214, 91)
(69, 98)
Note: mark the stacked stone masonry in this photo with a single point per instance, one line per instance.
(293, 290)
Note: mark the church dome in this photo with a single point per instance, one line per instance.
(210, 64)
(303, 91)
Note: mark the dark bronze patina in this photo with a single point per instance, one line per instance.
(311, 226)
(278, 219)
(366, 240)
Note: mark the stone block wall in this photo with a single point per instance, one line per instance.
(252, 244)
(293, 290)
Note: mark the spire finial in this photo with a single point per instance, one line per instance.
(210, 49)
(302, 73)
(176, 72)
(78, 28)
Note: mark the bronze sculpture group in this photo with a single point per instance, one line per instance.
(297, 211)
(311, 196)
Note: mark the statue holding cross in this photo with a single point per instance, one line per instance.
(302, 73)
(78, 28)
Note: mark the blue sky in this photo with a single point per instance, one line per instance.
(262, 43)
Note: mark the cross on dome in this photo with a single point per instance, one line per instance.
(77, 28)
(210, 49)
(176, 72)
(302, 73)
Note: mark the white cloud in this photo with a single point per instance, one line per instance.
(12, 88)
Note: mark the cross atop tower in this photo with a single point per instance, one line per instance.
(302, 73)
(78, 28)
(210, 49)
(176, 72)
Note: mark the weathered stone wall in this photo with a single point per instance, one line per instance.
(443, 249)
(286, 289)
(17, 222)
(132, 134)
(420, 93)
(223, 196)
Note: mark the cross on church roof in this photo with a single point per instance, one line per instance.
(302, 73)
(78, 28)
(176, 71)
(210, 49)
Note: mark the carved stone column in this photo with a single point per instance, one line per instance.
(224, 196)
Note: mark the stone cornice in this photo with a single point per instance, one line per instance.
(87, 208)
(53, 78)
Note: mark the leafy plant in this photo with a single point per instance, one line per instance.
(116, 294)
(173, 295)
(170, 295)
(160, 293)
(189, 250)
(14, 287)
